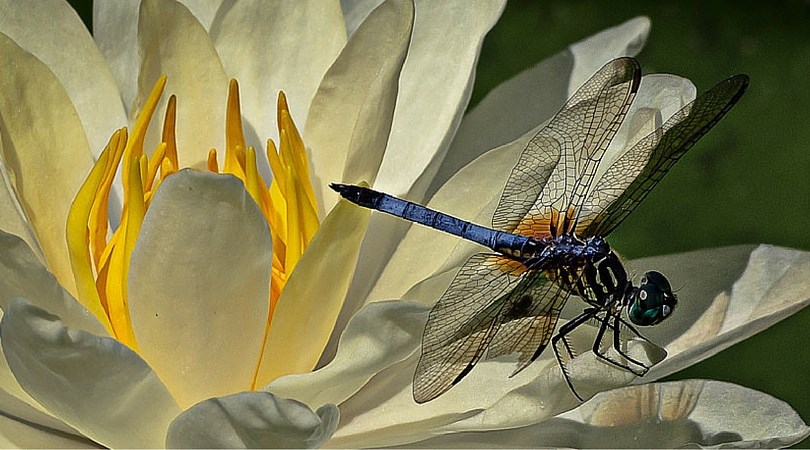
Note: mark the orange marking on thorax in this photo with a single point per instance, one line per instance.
(550, 223)
(508, 265)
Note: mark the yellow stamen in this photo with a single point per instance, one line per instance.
(169, 136)
(298, 205)
(234, 137)
(98, 213)
(167, 167)
(212, 164)
(118, 307)
(255, 184)
(297, 149)
(152, 167)
(79, 234)
(101, 261)
(289, 204)
(91, 254)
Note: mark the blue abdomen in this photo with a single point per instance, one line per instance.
(500, 241)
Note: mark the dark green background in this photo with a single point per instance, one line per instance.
(745, 182)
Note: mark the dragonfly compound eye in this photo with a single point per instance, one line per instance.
(653, 301)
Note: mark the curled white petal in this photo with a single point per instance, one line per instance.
(252, 420)
(94, 384)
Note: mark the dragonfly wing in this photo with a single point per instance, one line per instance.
(528, 319)
(553, 164)
(628, 181)
(462, 323)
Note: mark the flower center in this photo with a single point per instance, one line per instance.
(100, 260)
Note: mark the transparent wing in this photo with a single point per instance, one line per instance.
(528, 320)
(462, 323)
(650, 159)
(558, 163)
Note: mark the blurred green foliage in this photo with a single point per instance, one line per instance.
(745, 182)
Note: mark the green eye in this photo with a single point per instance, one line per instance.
(653, 301)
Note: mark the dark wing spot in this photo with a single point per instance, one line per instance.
(520, 308)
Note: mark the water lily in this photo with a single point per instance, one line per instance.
(161, 307)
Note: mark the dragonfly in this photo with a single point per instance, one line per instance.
(548, 238)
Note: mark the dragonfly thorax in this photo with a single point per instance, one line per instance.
(603, 281)
(568, 249)
(589, 268)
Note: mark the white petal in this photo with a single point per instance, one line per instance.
(378, 336)
(172, 42)
(434, 88)
(22, 275)
(252, 420)
(306, 312)
(272, 46)
(535, 95)
(350, 117)
(626, 39)
(115, 30)
(519, 401)
(12, 215)
(199, 285)
(205, 11)
(725, 296)
(16, 434)
(46, 152)
(665, 415)
(94, 384)
(773, 288)
(13, 397)
(707, 413)
(67, 48)
(356, 11)
(659, 97)
(23, 426)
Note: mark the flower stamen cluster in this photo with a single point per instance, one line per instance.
(100, 257)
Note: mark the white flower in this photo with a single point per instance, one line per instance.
(195, 326)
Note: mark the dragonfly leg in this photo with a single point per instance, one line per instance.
(562, 337)
(628, 326)
(616, 329)
(617, 326)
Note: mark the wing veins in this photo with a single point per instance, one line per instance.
(473, 299)
(529, 330)
(665, 146)
(548, 171)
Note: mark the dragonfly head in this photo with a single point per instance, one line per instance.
(653, 301)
